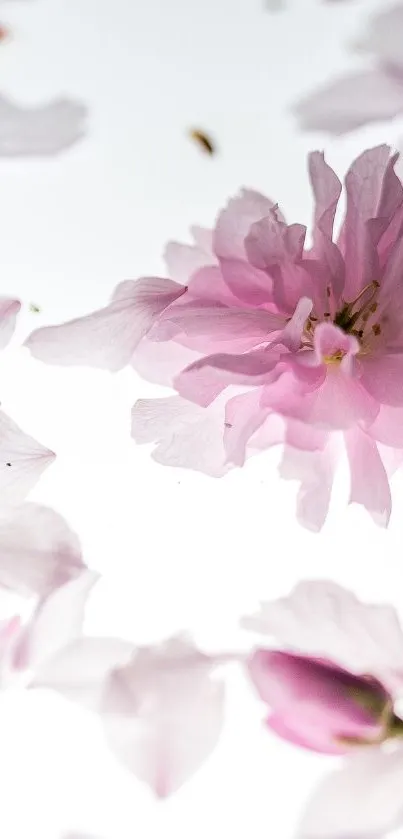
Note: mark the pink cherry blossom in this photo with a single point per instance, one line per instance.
(269, 342)
(332, 688)
(372, 94)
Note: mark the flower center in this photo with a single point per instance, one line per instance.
(356, 318)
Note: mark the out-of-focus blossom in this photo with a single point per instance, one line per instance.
(161, 707)
(332, 688)
(319, 706)
(369, 95)
(269, 342)
(40, 130)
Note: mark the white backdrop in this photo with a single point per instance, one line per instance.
(177, 550)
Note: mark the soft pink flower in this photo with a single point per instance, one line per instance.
(370, 95)
(319, 706)
(310, 340)
(332, 689)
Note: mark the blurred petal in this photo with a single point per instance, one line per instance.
(108, 337)
(384, 37)
(37, 131)
(326, 620)
(57, 621)
(9, 309)
(360, 800)
(186, 435)
(163, 714)
(38, 551)
(79, 670)
(351, 101)
(22, 461)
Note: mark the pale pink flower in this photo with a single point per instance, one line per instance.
(332, 688)
(161, 707)
(311, 340)
(372, 94)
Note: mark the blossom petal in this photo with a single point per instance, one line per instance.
(388, 426)
(373, 192)
(163, 714)
(360, 800)
(382, 376)
(369, 481)
(38, 551)
(235, 221)
(217, 322)
(9, 309)
(22, 461)
(57, 621)
(79, 670)
(186, 435)
(183, 261)
(246, 282)
(326, 189)
(325, 620)
(243, 417)
(315, 472)
(350, 102)
(37, 131)
(203, 380)
(108, 337)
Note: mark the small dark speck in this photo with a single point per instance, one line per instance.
(203, 140)
(228, 424)
(34, 309)
(8, 464)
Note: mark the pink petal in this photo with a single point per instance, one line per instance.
(388, 426)
(339, 403)
(57, 621)
(235, 221)
(79, 670)
(203, 380)
(246, 282)
(315, 472)
(292, 332)
(37, 131)
(327, 621)
(22, 461)
(108, 337)
(351, 101)
(326, 189)
(183, 261)
(38, 551)
(208, 284)
(369, 481)
(373, 192)
(9, 309)
(163, 714)
(186, 435)
(271, 242)
(383, 378)
(360, 799)
(218, 323)
(243, 417)
(159, 361)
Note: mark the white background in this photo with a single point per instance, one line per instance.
(177, 550)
